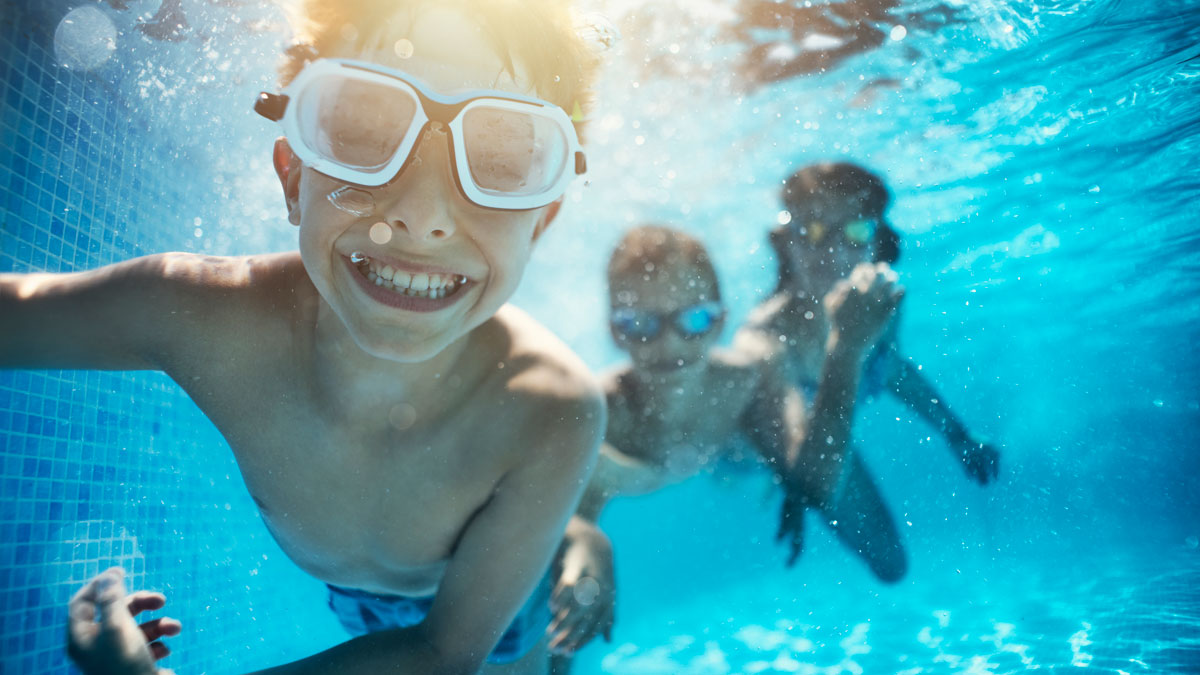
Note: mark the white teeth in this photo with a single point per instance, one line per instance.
(419, 285)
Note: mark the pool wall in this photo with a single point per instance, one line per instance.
(116, 468)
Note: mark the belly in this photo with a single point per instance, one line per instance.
(369, 556)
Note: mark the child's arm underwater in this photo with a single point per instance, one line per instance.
(980, 459)
(141, 314)
(618, 474)
(811, 453)
(585, 587)
(584, 596)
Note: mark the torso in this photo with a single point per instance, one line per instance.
(680, 428)
(355, 498)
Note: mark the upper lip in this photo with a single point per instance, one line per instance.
(411, 267)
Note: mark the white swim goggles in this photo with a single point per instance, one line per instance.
(359, 122)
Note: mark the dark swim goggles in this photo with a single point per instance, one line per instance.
(358, 122)
(694, 321)
(858, 232)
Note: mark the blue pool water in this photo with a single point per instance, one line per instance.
(1044, 163)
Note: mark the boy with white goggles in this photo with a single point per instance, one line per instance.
(360, 122)
(411, 440)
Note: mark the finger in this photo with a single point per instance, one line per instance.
(157, 628)
(142, 601)
(581, 633)
(863, 277)
(159, 650)
(82, 607)
(560, 597)
(557, 643)
(81, 614)
(609, 619)
(110, 602)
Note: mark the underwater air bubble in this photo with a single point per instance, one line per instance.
(381, 233)
(784, 217)
(402, 416)
(898, 33)
(85, 39)
(354, 201)
(586, 590)
(403, 48)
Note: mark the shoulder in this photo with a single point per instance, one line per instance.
(553, 390)
(227, 308)
(238, 287)
(244, 275)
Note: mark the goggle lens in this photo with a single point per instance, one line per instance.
(631, 324)
(357, 123)
(689, 322)
(857, 232)
(698, 320)
(512, 152)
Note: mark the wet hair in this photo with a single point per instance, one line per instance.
(650, 248)
(835, 180)
(540, 34)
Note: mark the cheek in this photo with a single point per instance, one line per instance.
(506, 241)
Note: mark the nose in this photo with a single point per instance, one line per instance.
(417, 203)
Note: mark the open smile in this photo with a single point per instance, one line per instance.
(410, 289)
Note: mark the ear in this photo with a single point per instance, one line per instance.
(548, 216)
(287, 167)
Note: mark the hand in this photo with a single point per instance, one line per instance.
(583, 599)
(102, 636)
(860, 307)
(791, 522)
(980, 458)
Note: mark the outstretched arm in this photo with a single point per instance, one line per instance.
(618, 474)
(151, 313)
(980, 459)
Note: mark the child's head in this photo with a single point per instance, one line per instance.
(418, 202)
(665, 302)
(836, 221)
(537, 40)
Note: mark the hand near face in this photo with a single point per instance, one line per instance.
(102, 636)
(860, 307)
(584, 597)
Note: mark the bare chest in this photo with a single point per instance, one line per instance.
(678, 428)
(378, 507)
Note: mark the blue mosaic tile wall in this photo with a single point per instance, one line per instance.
(108, 468)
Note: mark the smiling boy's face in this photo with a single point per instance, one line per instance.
(430, 233)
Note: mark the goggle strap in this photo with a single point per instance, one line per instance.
(271, 106)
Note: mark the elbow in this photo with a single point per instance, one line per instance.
(444, 657)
